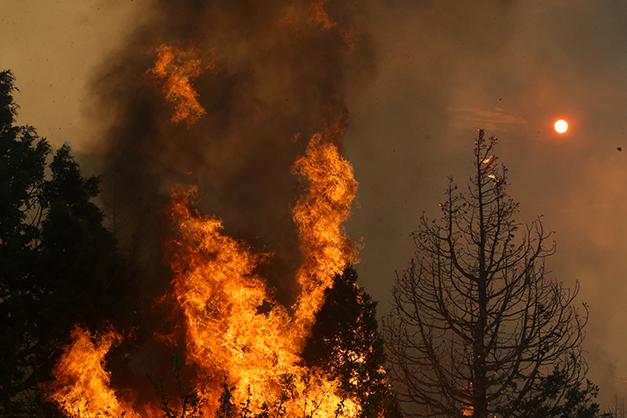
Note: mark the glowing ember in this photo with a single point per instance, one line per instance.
(560, 126)
(468, 411)
(176, 69)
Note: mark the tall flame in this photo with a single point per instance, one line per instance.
(319, 215)
(468, 411)
(81, 385)
(235, 331)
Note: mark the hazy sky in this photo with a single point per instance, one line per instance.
(443, 69)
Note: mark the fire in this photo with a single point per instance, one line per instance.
(468, 411)
(234, 328)
(81, 385)
(219, 295)
(176, 69)
(319, 215)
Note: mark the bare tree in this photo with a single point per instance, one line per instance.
(477, 327)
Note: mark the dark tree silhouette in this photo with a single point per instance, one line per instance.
(477, 327)
(58, 264)
(558, 397)
(345, 342)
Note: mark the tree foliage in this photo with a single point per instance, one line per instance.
(478, 327)
(59, 265)
(557, 396)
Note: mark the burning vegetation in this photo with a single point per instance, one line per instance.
(234, 327)
(238, 338)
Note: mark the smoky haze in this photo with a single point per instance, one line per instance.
(443, 69)
(446, 68)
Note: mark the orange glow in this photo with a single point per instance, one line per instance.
(81, 385)
(560, 126)
(176, 69)
(319, 14)
(316, 16)
(228, 332)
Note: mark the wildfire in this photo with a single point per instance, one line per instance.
(220, 297)
(176, 69)
(234, 329)
(81, 385)
(236, 333)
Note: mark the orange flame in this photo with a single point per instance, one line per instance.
(319, 215)
(176, 69)
(234, 328)
(81, 386)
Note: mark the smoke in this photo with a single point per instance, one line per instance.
(281, 70)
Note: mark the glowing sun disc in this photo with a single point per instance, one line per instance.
(560, 126)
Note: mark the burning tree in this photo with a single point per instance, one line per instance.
(478, 327)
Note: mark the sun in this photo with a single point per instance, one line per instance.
(560, 126)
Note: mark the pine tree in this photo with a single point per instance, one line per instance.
(345, 342)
